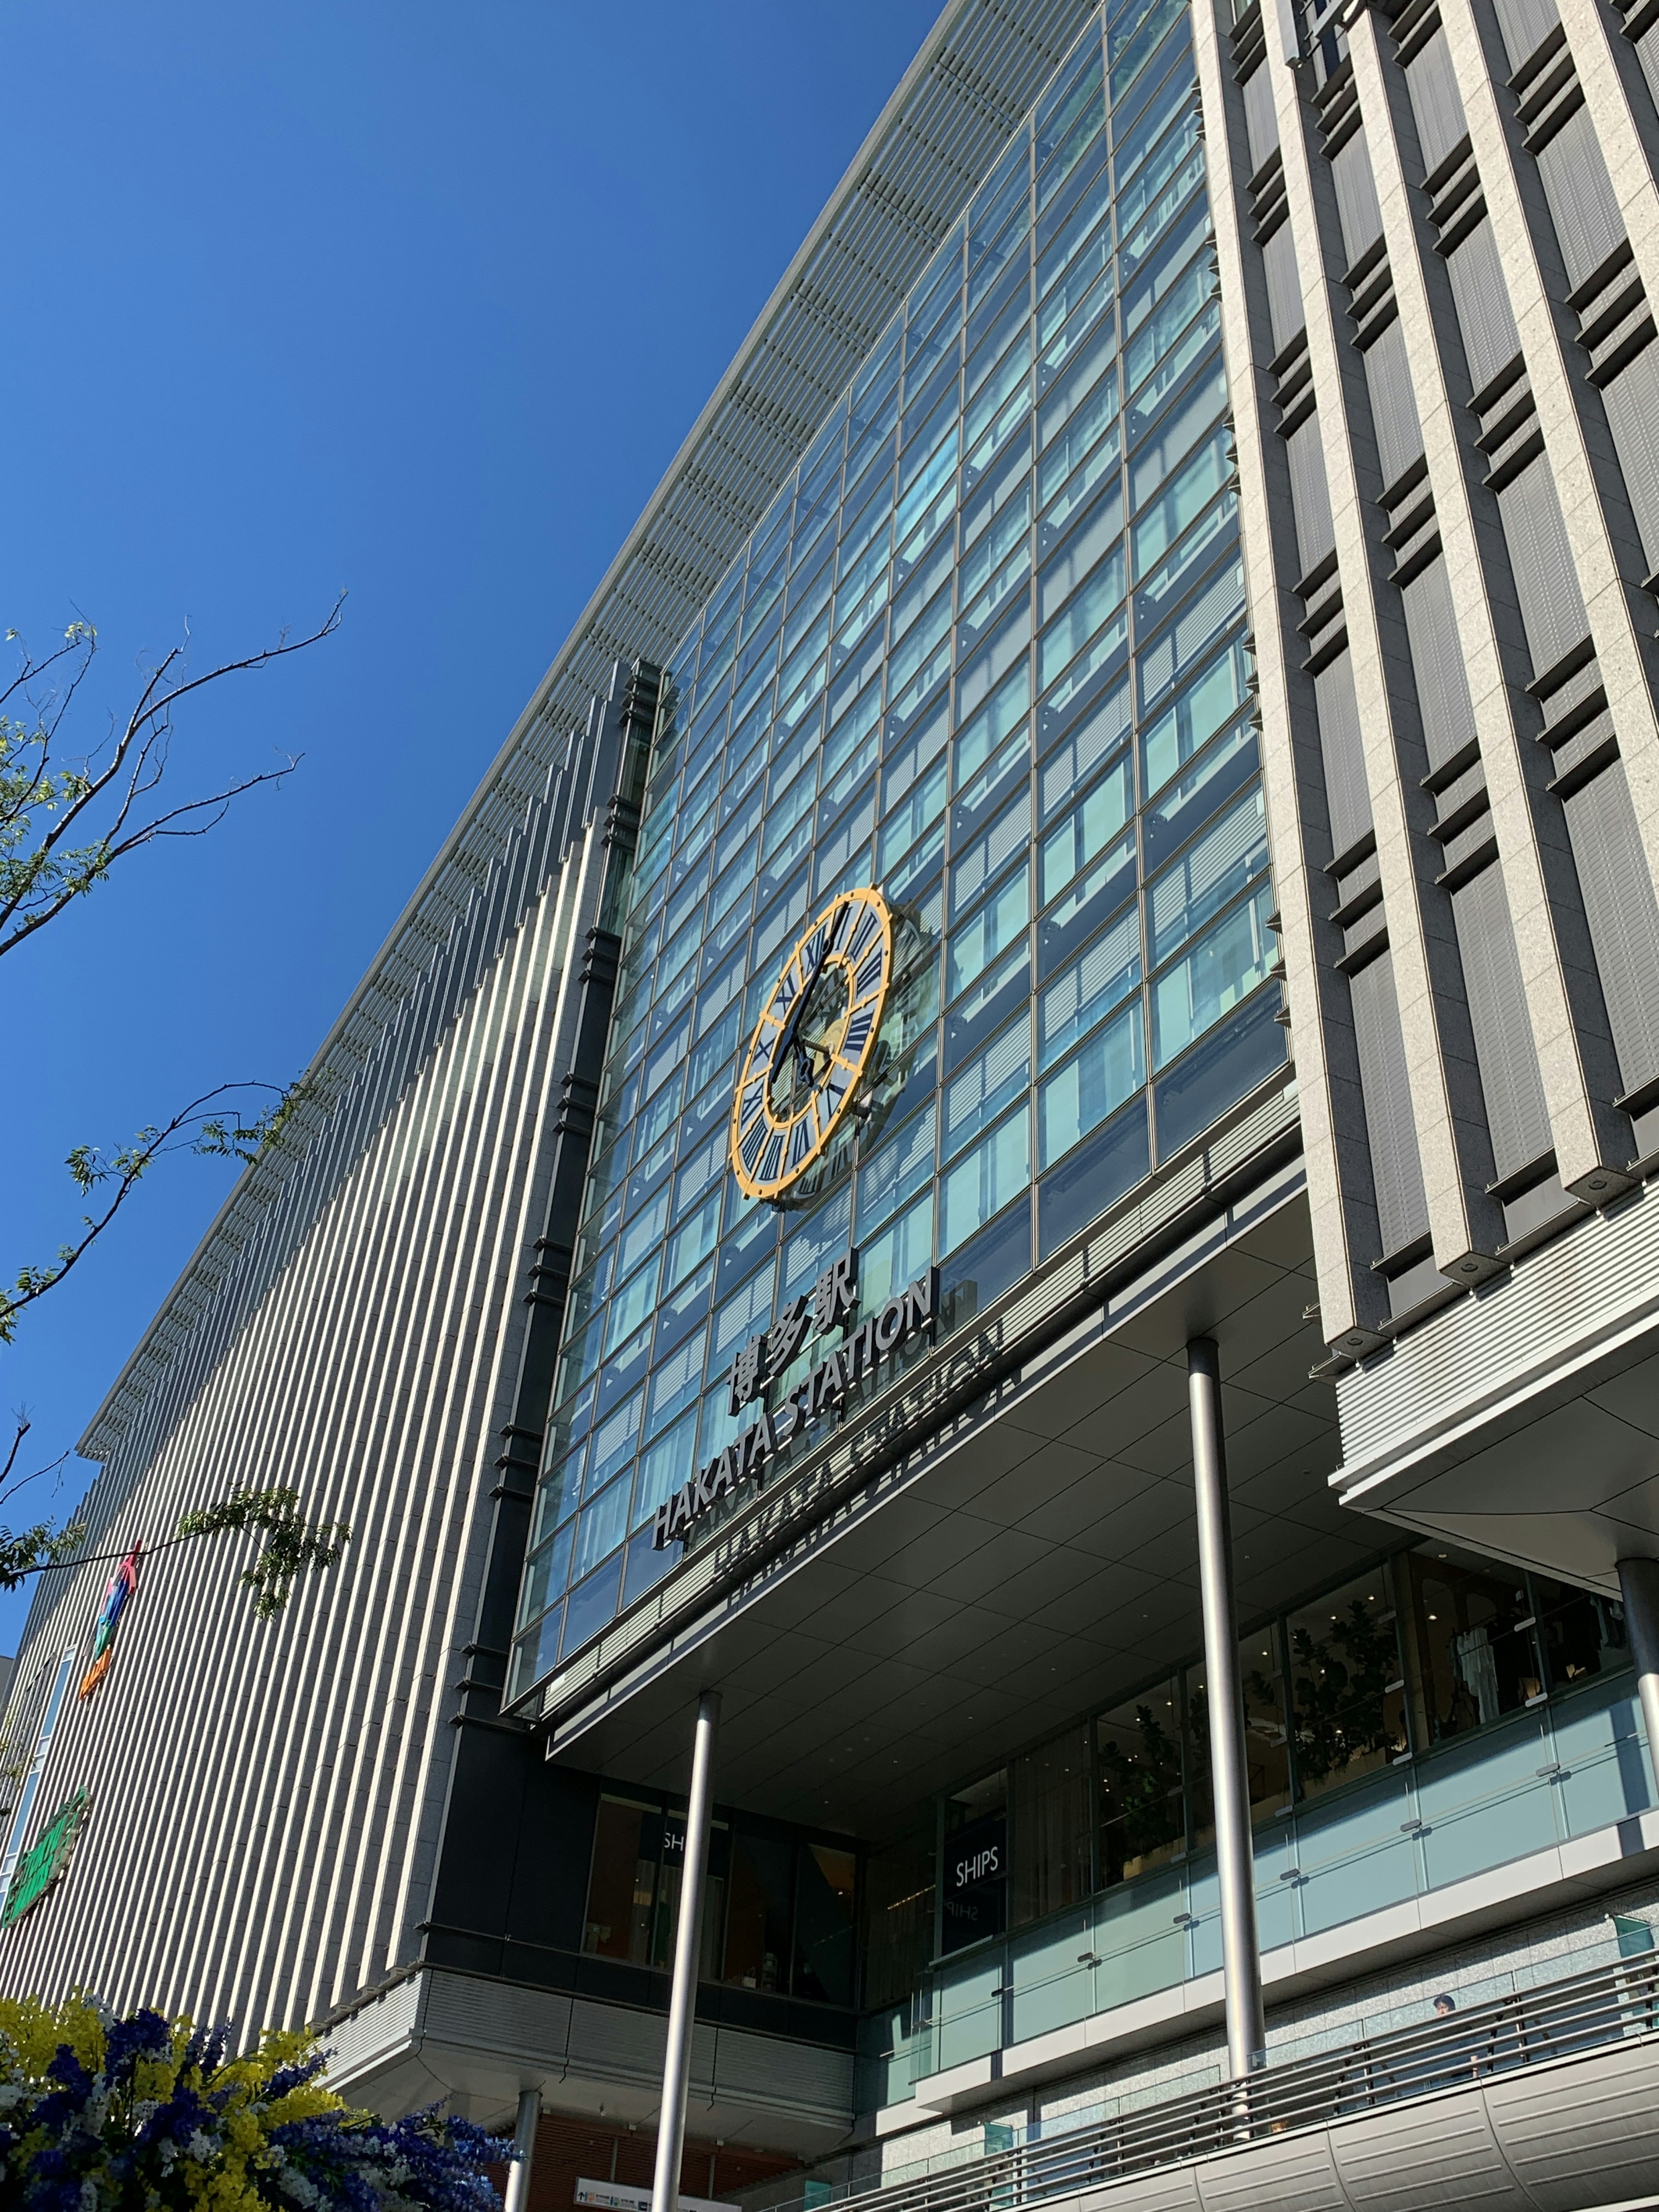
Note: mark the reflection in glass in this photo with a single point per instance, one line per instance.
(1142, 1820)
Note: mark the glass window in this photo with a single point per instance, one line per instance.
(1583, 1633)
(975, 1877)
(621, 1886)
(983, 1182)
(976, 740)
(675, 1382)
(1091, 1085)
(1211, 872)
(980, 1013)
(974, 1098)
(1266, 1738)
(1098, 891)
(1156, 451)
(976, 942)
(1226, 964)
(989, 851)
(1195, 484)
(899, 1255)
(1142, 1816)
(1348, 1685)
(896, 1172)
(546, 1571)
(759, 1913)
(1048, 1792)
(1213, 695)
(825, 1900)
(1082, 552)
(898, 1917)
(1208, 784)
(1080, 836)
(1476, 1638)
(613, 1446)
(630, 1305)
(601, 1527)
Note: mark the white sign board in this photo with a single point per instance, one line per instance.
(612, 2196)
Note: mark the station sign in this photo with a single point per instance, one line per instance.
(829, 1308)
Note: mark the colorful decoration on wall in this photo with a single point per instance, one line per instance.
(123, 1586)
(40, 1868)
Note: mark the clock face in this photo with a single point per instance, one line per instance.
(813, 1044)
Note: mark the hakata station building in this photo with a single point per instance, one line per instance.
(981, 1270)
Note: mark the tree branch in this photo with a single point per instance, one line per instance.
(192, 1129)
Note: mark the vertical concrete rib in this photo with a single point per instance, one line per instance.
(1340, 1191)
(1465, 1225)
(1576, 1059)
(1595, 504)
(269, 1855)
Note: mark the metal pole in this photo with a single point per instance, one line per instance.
(1247, 2033)
(1638, 1586)
(683, 1999)
(524, 2142)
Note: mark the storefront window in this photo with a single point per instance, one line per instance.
(824, 1905)
(1050, 1844)
(898, 1917)
(976, 1876)
(1476, 1636)
(1347, 1689)
(1142, 1816)
(1581, 1631)
(757, 1927)
(1266, 1755)
(622, 1890)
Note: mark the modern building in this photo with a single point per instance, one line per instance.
(1004, 1176)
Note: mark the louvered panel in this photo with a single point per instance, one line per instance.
(1545, 581)
(1356, 198)
(1342, 748)
(1396, 1168)
(1434, 102)
(1284, 306)
(1394, 406)
(1516, 1114)
(1443, 684)
(1260, 119)
(1633, 404)
(1623, 917)
(1484, 313)
(1310, 499)
(1586, 216)
(1525, 25)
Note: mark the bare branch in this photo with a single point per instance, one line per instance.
(23, 1427)
(192, 1129)
(45, 808)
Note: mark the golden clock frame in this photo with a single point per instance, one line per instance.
(852, 949)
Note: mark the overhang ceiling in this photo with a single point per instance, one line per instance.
(1041, 1561)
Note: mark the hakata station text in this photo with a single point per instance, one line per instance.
(830, 1304)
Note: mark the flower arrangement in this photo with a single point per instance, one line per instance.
(143, 2114)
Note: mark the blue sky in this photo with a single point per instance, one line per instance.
(416, 301)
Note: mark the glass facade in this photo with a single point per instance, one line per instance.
(1436, 1717)
(986, 652)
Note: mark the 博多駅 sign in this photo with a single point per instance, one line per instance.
(831, 1304)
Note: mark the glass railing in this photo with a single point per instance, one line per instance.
(1571, 2017)
(1539, 1779)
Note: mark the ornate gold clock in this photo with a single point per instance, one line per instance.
(813, 1044)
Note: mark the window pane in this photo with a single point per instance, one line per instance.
(758, 1916)
(1142, 1816)
(1225, 965)
(1346, 1684)
(983, 1183)
(1078, 1097)
(621, 1888)
(975, 1097)
(823, 1925)
(1048, 1800)
(1478, 1659)
(1584, 1632)
(1209, 874)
